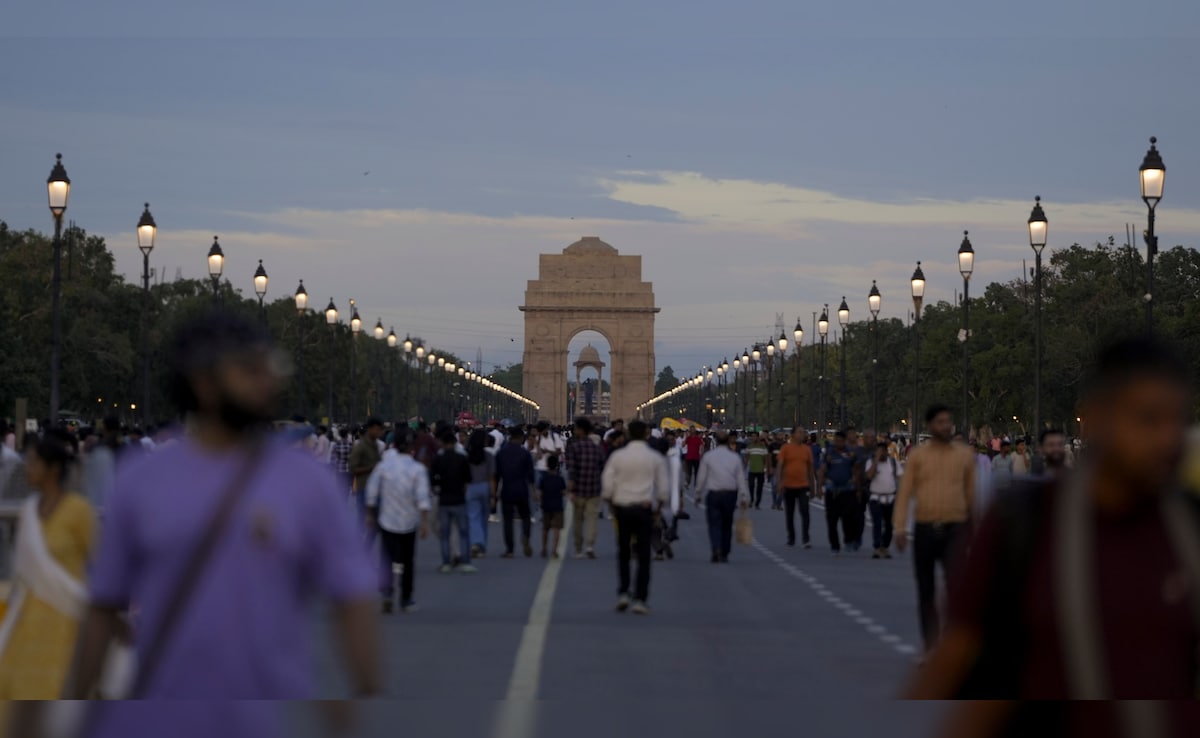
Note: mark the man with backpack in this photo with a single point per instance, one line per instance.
(1087, 587)
(883, 479)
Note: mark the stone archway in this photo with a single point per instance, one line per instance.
(589, 286)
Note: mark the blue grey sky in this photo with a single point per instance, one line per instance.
(763, 157)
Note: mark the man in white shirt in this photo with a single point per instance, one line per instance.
(398, 501)
(635, 483)
(722, 477)
(549, 444)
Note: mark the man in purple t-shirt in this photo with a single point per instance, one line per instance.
(243, 631)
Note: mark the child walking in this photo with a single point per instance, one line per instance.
(550, 497)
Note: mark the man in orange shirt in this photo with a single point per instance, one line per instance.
(795, 476)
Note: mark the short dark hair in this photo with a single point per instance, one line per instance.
(552, 462)
(936, 410)
(401, 439)
(839, 434)
(447, 437)
(1135, 358)
(1047, 432)
(373, 422)
(200, 344)
(543, 425)
(637, 430)
(584, 425)
(517, 434)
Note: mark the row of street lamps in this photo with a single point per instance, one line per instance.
(1152, 174)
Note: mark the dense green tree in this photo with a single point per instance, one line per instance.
(666, 381)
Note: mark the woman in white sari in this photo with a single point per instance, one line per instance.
(55, 536)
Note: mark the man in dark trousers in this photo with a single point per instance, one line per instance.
(839, 480)
(514, 481)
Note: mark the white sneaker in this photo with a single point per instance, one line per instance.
(639, 608)
(623, 603)
(468, 569)
(445, 569)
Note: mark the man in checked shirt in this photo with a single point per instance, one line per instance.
(585, 464)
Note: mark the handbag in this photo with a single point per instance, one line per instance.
(743, 529)
(125, 677)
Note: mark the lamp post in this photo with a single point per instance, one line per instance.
(844, 322)
(798, 334)
(301, 308)
(745, 388)
(769, 372)
(147, 231)
(379, 336)
(724, 388)
(1038, 226)
(331, 316)
(782, 344)
(58, 188)
(431, 359)
(966, 265)
(260, 289)
(709, 396)
(1152, 172)
(408, 349)
(392, 342)
(737, 395)
(823, 331)
(874, 304)
(216, 265)
(756, 359)
(918, 296)
(355, 329)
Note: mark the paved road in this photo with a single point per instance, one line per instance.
(779, 637)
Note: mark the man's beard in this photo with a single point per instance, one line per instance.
(1056, 461)
(239, 417)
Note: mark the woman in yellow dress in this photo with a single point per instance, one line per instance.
(55, 536)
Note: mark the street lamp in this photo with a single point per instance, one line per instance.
(379, 334)
(844, 322)
(966, 265)
(147, 232)
(216, 265)
(260, 289)
(874, 304)
(1038, 227)
(781, 344)
(823, 332)
(408, 351)
(798, 334)
(1153, 172)
(918, 297)
(392, 341)
(331, 317)
(355, 329)
(301, 308)
(58, 189)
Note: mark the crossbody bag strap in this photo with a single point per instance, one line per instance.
(194, 570)
(1182, 519)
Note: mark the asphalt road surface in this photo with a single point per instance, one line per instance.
(779, 641)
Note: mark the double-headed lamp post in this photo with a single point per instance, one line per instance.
(1152, 172)
(1038, 226)
(331, 318)
(966, 265)
(216, 265)
(874, 304)
(918, 297)
(798, 335)
(58, 188)
(260, 289)
(301, 308)
(147, 231)
(844, 322)
(823, 332)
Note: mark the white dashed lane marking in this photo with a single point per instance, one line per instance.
(872, 628)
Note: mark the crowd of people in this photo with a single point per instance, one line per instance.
(202, 543)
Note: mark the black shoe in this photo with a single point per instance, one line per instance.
(791, 542)
(388, 607)
(807, 544)
(715, 558)
(683, 515)
(724, 559)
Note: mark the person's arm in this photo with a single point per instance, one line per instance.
(358, 466)
(101, 626)
(872, 468)
(969, 482)
(662, 485)
(358, 635)
(372, 501)
(702, 478)
(608, 480)
(900, 514)
(743, 491)
(778, 471)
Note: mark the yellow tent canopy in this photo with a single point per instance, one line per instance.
(682, 424)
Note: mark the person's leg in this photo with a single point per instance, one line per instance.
(408, 555)
(877, 526)
(949, 552)
(831, 521)
(460, 517)
(625, 533)
(579, 510)
(790, 497)
(592, 514)
(477, 516)
(805, 516)
(508, 510)
(445, 523)
(545, 534)
(848, 504)
(925, 545)
(391, 546)
(886, 511)
(643, 523)
(728, 510)
(713, 514)
(526, 525)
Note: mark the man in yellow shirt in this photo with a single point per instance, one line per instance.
(940, 479)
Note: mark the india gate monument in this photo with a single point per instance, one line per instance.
(590, 286)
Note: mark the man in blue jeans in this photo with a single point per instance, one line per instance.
(722, 477)
(450, 474)
(839, 479)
